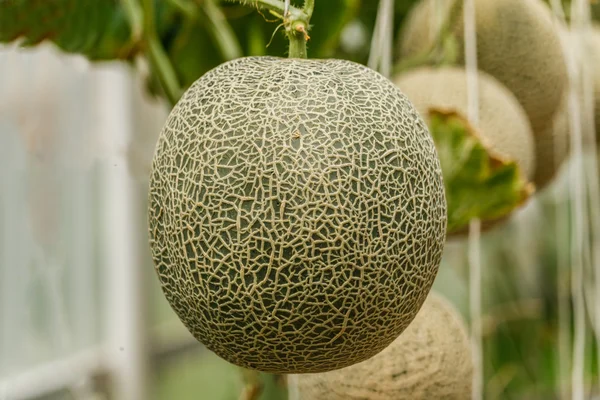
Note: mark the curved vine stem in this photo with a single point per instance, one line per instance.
(134, 14)
(141, 17)
(221, 31)
(186, 7)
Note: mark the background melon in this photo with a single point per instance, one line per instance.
(552, 146)
(502, 122)
(517, 43)
(297, 213)
(430, 360)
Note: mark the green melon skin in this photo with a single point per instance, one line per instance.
(296, 213)
(503, 124)
(517, 43)
(431, 360)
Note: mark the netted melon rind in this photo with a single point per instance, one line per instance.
(503, 124)
(430, 360)
(297, 213)
(517, 43)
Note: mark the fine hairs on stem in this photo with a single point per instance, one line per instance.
(295, 21)
(296, 28)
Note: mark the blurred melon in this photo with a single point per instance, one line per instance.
(517, 43)
(430, 360)
(502, 121)
(552, 146)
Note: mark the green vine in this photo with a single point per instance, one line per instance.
(297, 30)
(141, 16)
(295, 21)
(221, 31)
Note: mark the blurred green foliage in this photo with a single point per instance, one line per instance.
(98, 29)
(101, 30)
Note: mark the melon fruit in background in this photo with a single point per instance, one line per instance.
(517, 43)
(430, 360)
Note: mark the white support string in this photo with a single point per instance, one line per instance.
(563, 359)
(578, 204)
(474, 247)
(293, 392)
(380, 57)
(591, 178)
(470, 41)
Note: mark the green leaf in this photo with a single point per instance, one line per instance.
(479, 184)
(95, 28)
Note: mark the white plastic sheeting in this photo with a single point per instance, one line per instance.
(72, 232)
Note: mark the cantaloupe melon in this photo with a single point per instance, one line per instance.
(502, 124)
(552, 146)
(430, 360)
(297, 213)
(517, 43)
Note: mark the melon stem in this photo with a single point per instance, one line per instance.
(295, 20)
(297, 35)
(296, 27)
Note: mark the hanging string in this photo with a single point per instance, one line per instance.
(577, 191)
(474, 244)
(591, 272)
(380, 56)
(292, 383)
(563, 358)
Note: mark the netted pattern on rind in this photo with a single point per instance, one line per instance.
(297, 213)
(517, 43)
(502, 122)
(431, 360)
